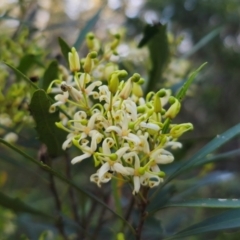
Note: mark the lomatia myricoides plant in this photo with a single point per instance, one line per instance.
(125, 134)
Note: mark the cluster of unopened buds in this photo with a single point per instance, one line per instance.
(112, 123)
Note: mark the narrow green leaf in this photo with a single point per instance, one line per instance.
(169, 169)
(201, 155)
(19, 73)
(149, 32)
(206, 203)
(33, 85)
(48, 132)
(88, 27)
(204, 41)
(58, 175)
(218, 141)
(224, 221)
(18, 206)
(50, 74)
(164, 197)
(159, 56)
(65, 49)
(27, 62)
(218, 157)
(181, 94)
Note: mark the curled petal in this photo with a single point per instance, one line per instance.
(174, 145)
(91, 121)
(152, 126)
(80, 115)
(132, 137)
(67, 143)
(162, 156)
(94, 178)
(155, 168)
(62, 97)
(115, 129)
(103, 169)
(106, 145)
(136, 183)
(121, 151)
(80, 158)
(107, 177)
(90, 88)
(121, 169)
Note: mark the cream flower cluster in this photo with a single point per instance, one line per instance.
(112, 124)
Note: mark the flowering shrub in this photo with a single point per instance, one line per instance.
(125, 133)
(100, 107)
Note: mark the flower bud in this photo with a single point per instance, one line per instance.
(108, 70)
(136, 77)
(74, 93)
(92, 43)
(157, 104)
(88, 63)
(161, 174)
(73, 59)
(141, 170)
(179, 129)
(115, 42)
(113, 83)
(137, 90)
(174, 108)
(128, 86)
(127, 89)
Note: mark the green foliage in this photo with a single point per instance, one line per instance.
(48, 133)
(220, 222)
(27, 62)
(88, 27)
(158, 46)
(19, 73)
(181, 94)
(206, 203)
(50, 74)
(69, 206)
(18, 206)
(58, 175)
(64, 48)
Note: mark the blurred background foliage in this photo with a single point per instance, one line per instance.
(197, 32)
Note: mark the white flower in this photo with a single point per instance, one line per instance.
(87, 151)
(123, 131)
(91, 86)
(109, 164)
(161, 156)
(68, 142)
(173, 145)
(130, 107)
(84, 129)
(134, 171)
(152, 126)
(61, 99)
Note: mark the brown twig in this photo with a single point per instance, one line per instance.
(59, 222)
(130, 208)
(72, 197)
(44, 157)
(100, 220)
(142, 207)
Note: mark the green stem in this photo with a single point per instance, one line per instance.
(117, 201)
(58, 175)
